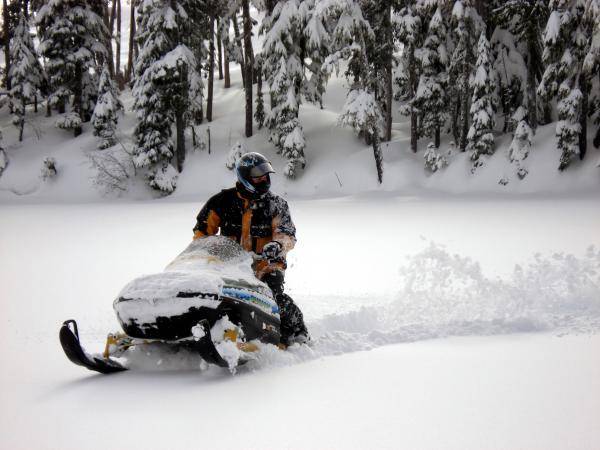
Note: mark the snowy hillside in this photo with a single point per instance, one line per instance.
(338, 162)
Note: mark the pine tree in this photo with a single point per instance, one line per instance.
(259, 110)
(467, 26)
(105, 118)
(235, 153)
(565, 45)
(434, 160)
(409, 33)
(431, 98)
(378, 13)
(525, 20)
(26, 74)
(284, 70)
(167, 90)
(349, 43)
(591, 64)
(509, 65)
(521, 143)
(72, 35)
(480, 137)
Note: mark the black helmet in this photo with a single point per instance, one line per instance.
(254, 165)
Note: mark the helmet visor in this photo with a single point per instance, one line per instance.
(261, 169)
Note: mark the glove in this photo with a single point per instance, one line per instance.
(272, 251)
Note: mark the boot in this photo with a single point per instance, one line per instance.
(293, 329)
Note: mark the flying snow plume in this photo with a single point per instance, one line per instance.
(443, 294)
(440, 295)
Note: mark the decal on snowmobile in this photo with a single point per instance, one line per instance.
(251, 297)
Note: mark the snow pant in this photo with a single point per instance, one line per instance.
(292, 320)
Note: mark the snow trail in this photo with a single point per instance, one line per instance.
(441, 295)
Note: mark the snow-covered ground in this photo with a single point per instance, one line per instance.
(447, 311)
(381, 282)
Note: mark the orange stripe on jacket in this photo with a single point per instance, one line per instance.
(212, 226)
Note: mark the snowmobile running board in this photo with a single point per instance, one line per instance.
(69, 339)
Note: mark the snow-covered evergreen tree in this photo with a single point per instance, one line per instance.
(105, 116)
(167, 90)
(72, 36)
(591, 64)
(518, 42)
(565, 44)
(380, 51)
(521, 143)
(48, 170)
(467, 27)
(259, 110)
(431, 95)
(481, 137)
(409, 33)
(349, 38)
(284, 72)
(511, 70)
(234, 154)
(434, 160)
(26, 74)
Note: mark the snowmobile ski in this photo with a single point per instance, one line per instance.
(206, 348)
(69, 339)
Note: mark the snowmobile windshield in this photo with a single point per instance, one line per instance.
(216, 249)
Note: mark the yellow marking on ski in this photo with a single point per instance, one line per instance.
(111, 339)
(230, 335)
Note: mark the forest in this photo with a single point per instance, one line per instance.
(469, 70)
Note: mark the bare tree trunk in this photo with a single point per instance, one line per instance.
(238, 43)
(118, 46)
(584, 86)
(377, 154)
(180, 129)
(412, 81)
(211, 70)
(78, 97)
(227, 82)
(22, 120)
(531, 90)
(251, 52)
(248, 71)
(108, 23)
(6, 19)
(464, 128)
(219, 50)
(226, 47)
(388, 72)
(437, 137)
(113, 15)
(131, 42)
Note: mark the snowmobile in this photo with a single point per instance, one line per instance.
(207, 301)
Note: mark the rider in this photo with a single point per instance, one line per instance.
(260, 221)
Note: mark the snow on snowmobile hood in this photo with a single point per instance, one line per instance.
(209, 267)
